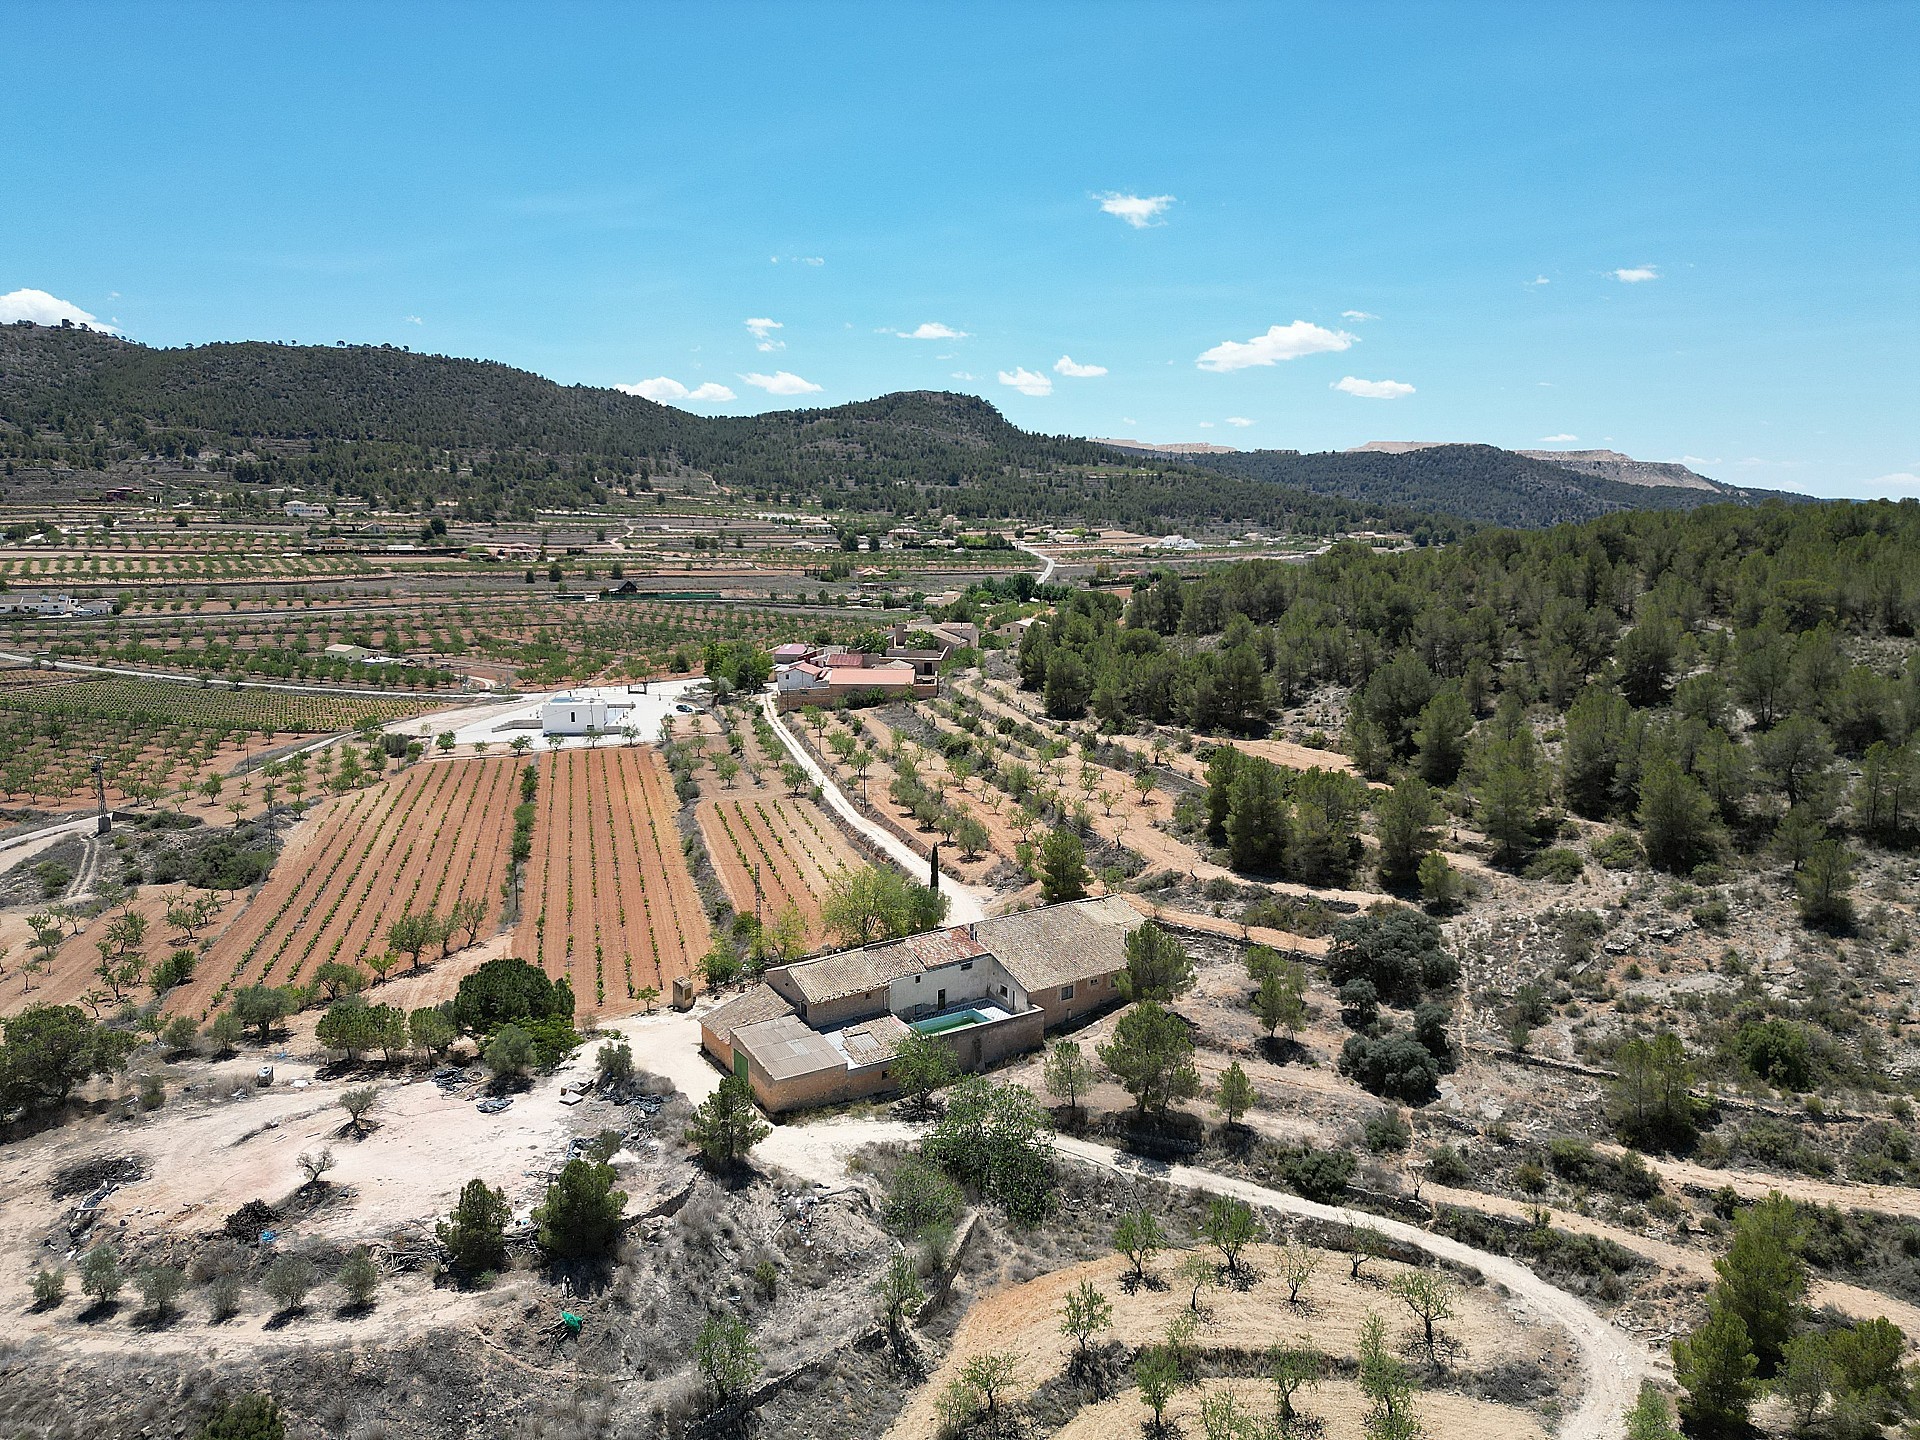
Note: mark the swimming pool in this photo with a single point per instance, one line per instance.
(935, 1024)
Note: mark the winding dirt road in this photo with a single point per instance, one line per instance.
(1615, 1362)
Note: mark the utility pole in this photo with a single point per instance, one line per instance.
(103, 821)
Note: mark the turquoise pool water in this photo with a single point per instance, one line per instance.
(935, 1024)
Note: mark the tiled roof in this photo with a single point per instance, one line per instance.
(853, 972)
(762, 1002)
(1060, 944)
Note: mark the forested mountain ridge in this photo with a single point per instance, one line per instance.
(1474, 482)
(407, 430)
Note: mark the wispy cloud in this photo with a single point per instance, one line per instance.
(762, 332)
(1635, 274)
(1536, 281)
(1281, 342)
(671, 392)
(782, 382)
(1139, 211)
(1357, 315)
(798, 260)
(1373, 389)
(1239, 421)
(963, 375)
(1068, 366)
(1027, 382)
(44, 309)
(1558, 439)
(932, 330)
(415, 320)
(1206, 424)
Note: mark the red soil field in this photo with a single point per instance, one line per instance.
(797, 849)
(436, 834)
(607, 898)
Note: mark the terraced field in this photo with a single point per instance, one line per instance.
(607, 898)
(793, 848)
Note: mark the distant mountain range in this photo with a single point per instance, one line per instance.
(80, 409)
(1600, 464)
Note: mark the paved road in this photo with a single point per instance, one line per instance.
(1047, 563)
(966, 903)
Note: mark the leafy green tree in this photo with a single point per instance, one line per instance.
(1281, 1001)
(920, 1198)
(1068, 1073)
(1156, 1371)
(1714, 1366)
(1593, 751)
(1151, 1055)
(1138, 1236)
(1823, 884)
(1430, 1297)
(922, 1064)
(1651, 1101)
(999, 1140)
(725, 1126)
(509, 1052)
(1440, 885)
(1387, 1385)
(1440, 741)
(1403, 823)
(288, 1281)
(580, 1217)
(475, 1233)
(1292, 1368)
(1762, 1277)
(261, 1007)
(1235, 1094)
(1084, 1314)
(1230, 1226)
(431, 1029)
(1676, 817)
(900, 1295)
(359, 1277)
(1651, 1418)
(869, 904)
(46, 1050)
(1063, 867)
(1158, 966)
(1645, 659)
(413, 934)
(100, 1275)
(727, 1358)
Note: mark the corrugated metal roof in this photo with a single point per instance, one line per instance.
(786, 1048)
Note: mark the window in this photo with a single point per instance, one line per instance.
(1003, 992)
(1066, 992)
(966, 964)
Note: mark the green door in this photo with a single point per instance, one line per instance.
(740, 1064)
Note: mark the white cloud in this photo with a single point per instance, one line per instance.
(782, 382)
(932, 330)
(669, 391)
(1357, 315)
(963, 375)
(44, 309)
(1635, 274)
(1558, 439)
(1073, 369)
(1139, 211)
(1206, 424)
(1238, 421)
(415, 320)
(1373, 389)
(762, 332)
(798, 260)
(1128, 420)
(1537, 280)
(1281, 342)
(1026, 381)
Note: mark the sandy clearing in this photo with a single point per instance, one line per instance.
(1337, 1403)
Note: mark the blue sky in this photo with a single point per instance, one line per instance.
(1675, 230)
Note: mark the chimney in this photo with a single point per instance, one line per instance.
(900, 634)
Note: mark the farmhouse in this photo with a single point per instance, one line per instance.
(819, 1032)
(568, 714)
